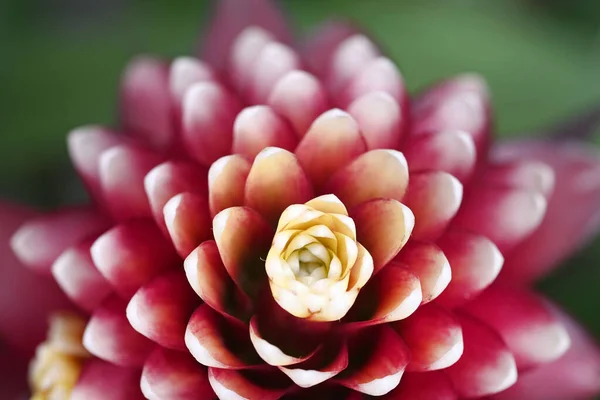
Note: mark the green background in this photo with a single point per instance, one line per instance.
(61, 62)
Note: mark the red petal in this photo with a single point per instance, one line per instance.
(243, 238)
(233, 385)
(109, 336)
(174, 375)
(122, 172)
(299, 97)
(131, 254)
(378, 358)
(531, 331)
(383, 226)
(424, 386)
(208, 277)
(276, 180)
(100, 380)
(227, 182)
(486, 366)
(332, 141)
(375, 174)
(146, 102)
(37, 243)
(449, 151)
(217, 342)
(258, 127)
(430, 264)
(380, 119)
(434, 338)
(475, 263)
(434, 199)
(322, 44)
(160, 309)
(79, 278)
(208, 115)
(188, 221)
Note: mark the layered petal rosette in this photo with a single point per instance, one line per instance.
(280, 223)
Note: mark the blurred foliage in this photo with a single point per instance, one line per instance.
(62, 60)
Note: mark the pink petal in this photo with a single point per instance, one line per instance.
(383, 226)
(169, 179)
(276, 181)
(434, 198)
(122, 172)
(174, 375)
(434, 337)
(131, 254)
(349, 58)
(375, 174)
(378, 358)
(100, 380)
(243, 238)
(208, 115)
(319, 49)
(299, 97)
(232, 18)
(146, 103)
(380, 119)
(233, 385)
(424, 386)
(393, 294)
(109, 336)
(475, 263)
(449, 151)
(332, 141)
(208, 277)
(160, 309)
(79, 278)
(528, 326)
(572, 208)
(486, 366)
(379, 75)
(227, 182)
(37, 244)
(242, 57)
(429, 263)
(184, 72)
(217, 342)
(188, 221)
(258, 127)
(327, 362)
(529, 175)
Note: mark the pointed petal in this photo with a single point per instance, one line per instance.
(276, 180)
(434, 337)
(271, 64)
(174, 375)
(169, 179)
(208, 115)
(375, 174)
(378, 358)
(391, 295)
(449, 151)
(475, 263)
(131, 254)
(383, 226)
(122, 172)
(216, 342)
(160, 309)
(109, 336)
(79, 278)
(100, 380)
(332, 141)
(188, 221)
(208, 277)
(526, 323)
(146, 103)
(486, 366)
(424, 386)
(300, 98)
(327, 362)
(243, 238)
(434, 198)
(227, 182)
(37, 244)
(380, 119)
(258, 127)
(429, 263)
(233, 385)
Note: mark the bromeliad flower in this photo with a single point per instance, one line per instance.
(284, 224)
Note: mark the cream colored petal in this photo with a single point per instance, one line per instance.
(345, 225)
(320, 252)
(278, 270)
(289, 214)
(347, 251)
(289, 301)
(362, 270)
(329, 204)
(323, 234)
(298, 242)
(281, 239)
